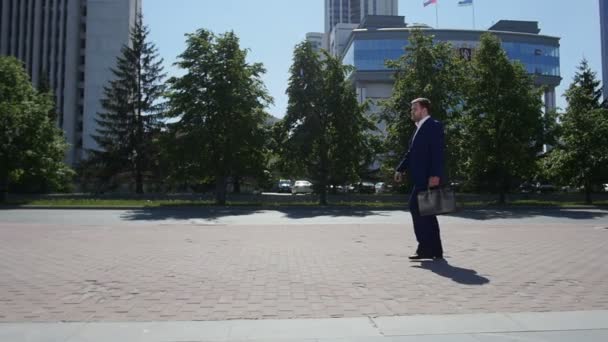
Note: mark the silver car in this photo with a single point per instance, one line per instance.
(301, 187)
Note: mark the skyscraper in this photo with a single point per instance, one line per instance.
(604, 35)
(315, 39)
(353, 11)
(69, 45)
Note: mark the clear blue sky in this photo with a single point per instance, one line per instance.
(271, 28)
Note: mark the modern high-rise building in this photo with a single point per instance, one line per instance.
(353, 11)
(71, 45)
(604, 32)
(315, 39)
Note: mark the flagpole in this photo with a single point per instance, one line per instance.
(436, 14)
(473, 5)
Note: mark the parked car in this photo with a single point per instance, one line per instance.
(340, 188)
(526, 188)
(545, 187)
(366, 188)
(284, 185)
(381, 187)
(301, 187)
(456, 185)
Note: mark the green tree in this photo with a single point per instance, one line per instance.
(502, 129)
(299, 130)
(324, 133)
(218, 108)
(431, 70)
(580, 156)
(131, 111)
(44, 87)
(350, 132)
(30, 144)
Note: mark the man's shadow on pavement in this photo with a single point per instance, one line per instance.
(460, 275)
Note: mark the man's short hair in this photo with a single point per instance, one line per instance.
(424, 103)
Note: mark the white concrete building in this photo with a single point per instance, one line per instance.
(73, 44)
(316, 40)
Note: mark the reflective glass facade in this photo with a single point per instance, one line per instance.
(538, 59)
(371, 55)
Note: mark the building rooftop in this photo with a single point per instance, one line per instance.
(382, 21)
(516, 26)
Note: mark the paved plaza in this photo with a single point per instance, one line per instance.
(205, 265)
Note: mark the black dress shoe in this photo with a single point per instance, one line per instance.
(420, 257)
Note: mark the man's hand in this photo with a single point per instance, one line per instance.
(398, 177)
(433, 182)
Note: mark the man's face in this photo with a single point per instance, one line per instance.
(417, 112)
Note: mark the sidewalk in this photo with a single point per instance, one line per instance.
(151, 272)
(581, 326)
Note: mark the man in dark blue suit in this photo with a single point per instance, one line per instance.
(424, 162)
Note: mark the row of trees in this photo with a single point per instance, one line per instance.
(209, 125)
(202, 127)
(490, 106)
(580, 156)
(496, 128)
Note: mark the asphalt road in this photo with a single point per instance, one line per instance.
(294, 216)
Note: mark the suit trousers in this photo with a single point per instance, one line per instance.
(426, 229)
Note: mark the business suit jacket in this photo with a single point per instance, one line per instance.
(425, 156)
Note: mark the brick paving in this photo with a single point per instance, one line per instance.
(51, 273)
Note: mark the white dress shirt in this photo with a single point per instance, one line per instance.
(418, 125)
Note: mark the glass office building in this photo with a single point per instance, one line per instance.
(372, 54)
(369, 48)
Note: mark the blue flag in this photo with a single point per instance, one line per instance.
(465, 2)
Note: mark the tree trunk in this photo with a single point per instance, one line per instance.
(501, 197)
(323, 196)
(139, 181)
(323, 173)
(588, 194)
(237, 184)
(220, 190)
(3, 188)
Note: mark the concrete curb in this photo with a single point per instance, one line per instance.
(566, 326)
